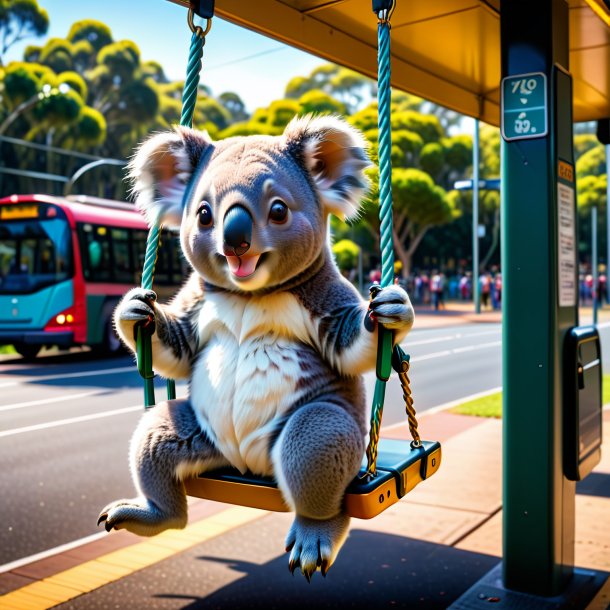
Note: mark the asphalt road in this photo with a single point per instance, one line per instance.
(66, 421)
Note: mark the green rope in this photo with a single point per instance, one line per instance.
(143, 334)
(385, 341)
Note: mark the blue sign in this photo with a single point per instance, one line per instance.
(524, 112)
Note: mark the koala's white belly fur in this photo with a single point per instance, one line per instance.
(247, 372)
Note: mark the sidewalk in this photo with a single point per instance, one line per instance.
(460, 312)
(423, 552)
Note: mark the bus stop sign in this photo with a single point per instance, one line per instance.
(524, 106)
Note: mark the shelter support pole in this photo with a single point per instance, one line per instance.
(540, 305)
(594, 263)
(607, 221)
(475, 219)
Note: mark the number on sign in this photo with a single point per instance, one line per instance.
(522, 125)
(524, 86)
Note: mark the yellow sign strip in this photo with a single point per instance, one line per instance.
(91, 575)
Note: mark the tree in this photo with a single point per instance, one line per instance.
(20, 19)
(346, 254)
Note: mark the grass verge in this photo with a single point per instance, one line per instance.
(491, 406)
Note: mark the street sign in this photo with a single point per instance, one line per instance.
(491, 184)
(524, 112)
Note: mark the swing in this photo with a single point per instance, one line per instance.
(393, 467)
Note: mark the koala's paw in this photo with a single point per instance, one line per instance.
(391, 307)
(139, 517)
(314, 544)
(137, 306)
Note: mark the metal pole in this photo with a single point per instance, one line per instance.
(607, 220)
(594, 262)
(475, 218)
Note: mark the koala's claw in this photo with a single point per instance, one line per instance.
(391, 307)
(138, 516)
(315, 544)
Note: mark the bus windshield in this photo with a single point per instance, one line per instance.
(34, 253)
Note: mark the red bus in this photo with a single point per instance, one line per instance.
(64, 265)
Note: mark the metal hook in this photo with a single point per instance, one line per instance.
(197, 29)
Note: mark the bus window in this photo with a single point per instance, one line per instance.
(34, 253)
(123, 261)
(94, 243)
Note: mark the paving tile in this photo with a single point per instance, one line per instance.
(592, 533)
(9, 581)
(47, 567)
(421, 522)
(470, 476)
(487, 539)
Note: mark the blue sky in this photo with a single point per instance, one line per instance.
(235, 59)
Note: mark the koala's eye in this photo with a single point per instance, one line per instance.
(205, 214)
(278, 212)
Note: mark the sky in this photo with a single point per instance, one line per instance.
(235, 59)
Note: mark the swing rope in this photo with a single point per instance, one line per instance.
(145, 331)
(388, 356)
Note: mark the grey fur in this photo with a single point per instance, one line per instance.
(274, 356)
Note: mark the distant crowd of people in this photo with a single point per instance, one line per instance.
(435, 287)
(588, 291)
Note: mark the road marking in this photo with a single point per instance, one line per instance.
(121, 369)
(46, 401)
(409, 344)
(96, 573)
(457, 350)
(71, 420)
(62, 548)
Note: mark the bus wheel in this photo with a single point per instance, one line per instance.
(29, 352)
(111, 344)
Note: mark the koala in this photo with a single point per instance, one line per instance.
(273, 340)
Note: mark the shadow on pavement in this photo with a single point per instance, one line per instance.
(374, 571)
(596, 484)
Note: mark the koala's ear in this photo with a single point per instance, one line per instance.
(160, 171)
(335, 155)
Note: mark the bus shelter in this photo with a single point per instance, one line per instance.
(533, 67)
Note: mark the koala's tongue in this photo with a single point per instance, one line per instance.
(242, 266)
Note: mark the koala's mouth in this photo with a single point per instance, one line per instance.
(244, 266)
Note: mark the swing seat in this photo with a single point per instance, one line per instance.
(400, 467)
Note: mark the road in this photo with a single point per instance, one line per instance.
(66, 421)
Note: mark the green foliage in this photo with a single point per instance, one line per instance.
(419, 199)
(57, 55)
(20, 84)
(96, 33)
(32, 53)
(346, 254)
(139, 102)
(432, 158)
(90, 129)
(427, 127)
(75, 81)
(487, 406)
(458, 152)
(209, 110)
(593, 162)
(234, 105)
(281, 112)
(20, 19)
(583, 142)
(121, 58)
(316, 101)
(59, 109)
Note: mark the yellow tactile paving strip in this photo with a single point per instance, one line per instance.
(67, 585)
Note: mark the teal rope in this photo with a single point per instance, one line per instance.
(385, 341)
(385, 152)
(193, 69)
(143, 339)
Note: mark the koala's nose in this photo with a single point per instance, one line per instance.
(237, 231)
